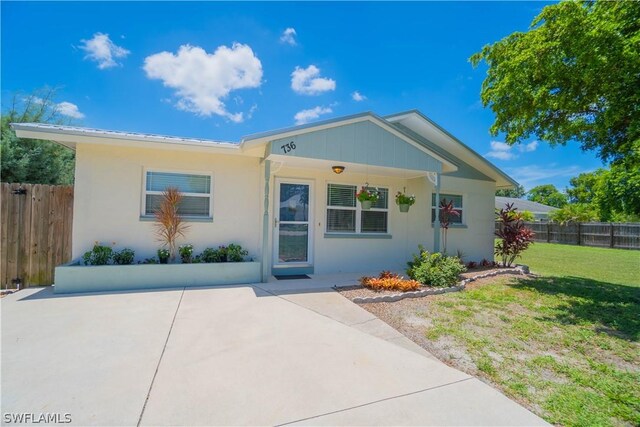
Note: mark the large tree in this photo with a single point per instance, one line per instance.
(29, 160)
(574, 76)
(584, 186)
(548, 195)
(517, 192)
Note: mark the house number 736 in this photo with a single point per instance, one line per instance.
(288, 147)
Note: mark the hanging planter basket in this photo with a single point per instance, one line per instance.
(404, 201)
(367, 197)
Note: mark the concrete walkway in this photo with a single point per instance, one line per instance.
(279, 353)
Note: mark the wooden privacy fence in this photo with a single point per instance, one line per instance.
(602, 234)
(35, 226)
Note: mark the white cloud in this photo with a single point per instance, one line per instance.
(307, 81)
(65, 108)
(357, 96)
(531, 175)
(102, 50)
(201, 80)
(501, 150)
(70, 110)
(504, 151)
(289, 36)
(528, 148)
(305, 116)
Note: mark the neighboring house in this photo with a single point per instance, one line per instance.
(276, 193)
(540, 212)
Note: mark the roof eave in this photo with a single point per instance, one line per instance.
(512, 183)
(70, 138)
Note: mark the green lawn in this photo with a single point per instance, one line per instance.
(618, 266)
(566, 344)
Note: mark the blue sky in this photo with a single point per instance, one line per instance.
(225, 70)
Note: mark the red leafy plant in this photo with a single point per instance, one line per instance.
(388, 281)
(514, 236)
(447, 212)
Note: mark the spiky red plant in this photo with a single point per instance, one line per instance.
(447, 211)
(514, 236)
(169, 224)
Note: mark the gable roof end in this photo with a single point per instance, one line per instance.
(466, 153)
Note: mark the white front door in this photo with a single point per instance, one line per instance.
(292, 231)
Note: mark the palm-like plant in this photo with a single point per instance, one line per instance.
(169, 224)
(447, 211)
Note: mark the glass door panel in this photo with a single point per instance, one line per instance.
(291, 233)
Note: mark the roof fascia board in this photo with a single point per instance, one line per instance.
(404, 114)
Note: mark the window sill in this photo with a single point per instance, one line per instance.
(149, 218)
(454, 225)
(357, 236)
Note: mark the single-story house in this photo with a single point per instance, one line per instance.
(278, 193)
(540, 212)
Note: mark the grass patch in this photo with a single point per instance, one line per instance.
(566, 344)
(617, 266)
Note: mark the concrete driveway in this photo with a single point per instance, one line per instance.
(267, 354)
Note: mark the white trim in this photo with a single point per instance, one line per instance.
(276, 226)
(144, 192)
(358, 210)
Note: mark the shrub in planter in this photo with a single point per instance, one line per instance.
(435, 269)
(235, 253)
(123, 257)
(163, 256)
(214, 255)
(186, 253)
(388, 281)
(99, 255)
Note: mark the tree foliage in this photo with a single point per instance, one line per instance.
(29, 160)
(517, 192)
(606, 194)
(583, 187)
(575, 212)
(548, 195)
(572, 77)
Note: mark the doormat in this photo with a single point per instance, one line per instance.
(295, 276)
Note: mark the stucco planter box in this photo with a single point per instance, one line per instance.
(71, 278)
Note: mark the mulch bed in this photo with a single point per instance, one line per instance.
(360, 291)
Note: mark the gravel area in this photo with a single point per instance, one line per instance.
(401, 315)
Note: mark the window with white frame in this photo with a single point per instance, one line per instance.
(457, 205)
(195, 189)
(345, 215)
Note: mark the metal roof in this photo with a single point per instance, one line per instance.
(101, 133)
(524, 205)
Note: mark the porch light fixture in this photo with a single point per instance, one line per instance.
(337, 169)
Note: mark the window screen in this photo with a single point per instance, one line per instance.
(195, 189)
(457, 204)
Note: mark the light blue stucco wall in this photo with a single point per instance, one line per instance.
(362, 142)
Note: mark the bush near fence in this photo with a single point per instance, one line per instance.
(35, 230)
(600, 234)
